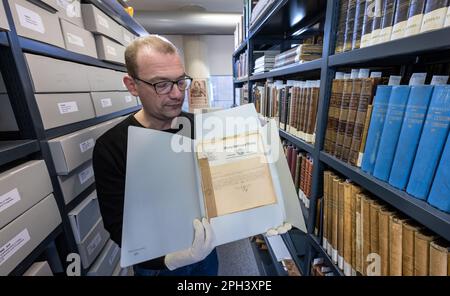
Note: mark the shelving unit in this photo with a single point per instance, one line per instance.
(276, 26)
(31, 141)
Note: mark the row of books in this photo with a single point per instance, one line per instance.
(241, 65)
(259, 8)
(364, 23)
(294, 104)
(349, 114)
(299, 54)
(241, 30)
(363, 235)
(406, 141)
(264, 61)
(241, 94)
(301, 166)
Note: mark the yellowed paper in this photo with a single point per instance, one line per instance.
(240, 175)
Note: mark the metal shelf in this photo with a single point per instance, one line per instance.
(4, 39)
(14, 150)
(77, 200)
(297, 141)
(240, 48)
(70, 128)
(240, 80)
(316, 245)
(294, 69)
(419, 210)
(263, 260)
(22, 267)
(267, 15)
(277, 265)
(33, 46)
(417, 44)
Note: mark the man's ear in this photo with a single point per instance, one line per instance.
(131, 85)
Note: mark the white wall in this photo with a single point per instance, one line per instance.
(219, 50)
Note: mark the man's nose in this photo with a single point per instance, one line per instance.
(175, 92)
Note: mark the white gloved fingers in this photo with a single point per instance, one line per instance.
(209, 235)
(284, 228)
(271, 232)
(199, 235)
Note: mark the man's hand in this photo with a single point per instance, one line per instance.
(201, 247)
(279, 230)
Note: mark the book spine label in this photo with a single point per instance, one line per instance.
(415, 16)
(447, 17)
(400, 19)
(434, 19)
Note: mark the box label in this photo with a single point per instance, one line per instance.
(30, 19)
(14, 245)
(111, 50)
(113, 255)
(75, 40)
(128, 99)
(67, 107)
(94, 244)
(86, 175)
(102, 21)
(8, 199)
(86, 145)
(71, 7)
(439, 80)
(394, 80)
(106, 103)
(417, 79)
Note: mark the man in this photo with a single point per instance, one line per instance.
(155, 74)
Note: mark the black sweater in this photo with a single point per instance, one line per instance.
(110, 162)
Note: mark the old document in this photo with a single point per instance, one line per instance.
(235, 174)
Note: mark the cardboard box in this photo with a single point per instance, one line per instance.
(76, 182)
(118, 80)
(110, 102)
(84, 217)
(8, 121)
(70, 10)
(101, 79)
(20, 237)
(78, 40)
(74, 149)
(93, 244)
(104, 127)
(59, 76)
(106, 262)
(98, 22)
(21, 188)
(127, 37)
(61, 109)
(109, 50)
(3, 20)
(52, 3)
(39, 269)
(36, 23)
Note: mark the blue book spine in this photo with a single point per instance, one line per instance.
(391, 131)
(440, 190)
(380, 105)
(416, 110)
(431, 143)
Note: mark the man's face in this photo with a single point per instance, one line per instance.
(155, 67)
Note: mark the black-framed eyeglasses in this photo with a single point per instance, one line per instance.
(166, 86)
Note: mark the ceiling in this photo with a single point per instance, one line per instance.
(188, 17)
(234, 6)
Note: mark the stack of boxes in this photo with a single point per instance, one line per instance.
(66, 93)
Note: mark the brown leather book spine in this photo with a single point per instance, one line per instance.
(355, 191)
(326, 200)
(341, 224)
(359, 234)
(343, 112)
(409, 230)
(439, 252)
(348, 228)
(383, 228)
(335, 215)
(343, 6)
(422, 240)
(333, 114)
(351, 118)
(395, 246)
(364, 136)
(349, 25)
(313, 112)
(365, 218)
(308, 99)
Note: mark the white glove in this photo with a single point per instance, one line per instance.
(201, 247)
(279, 230)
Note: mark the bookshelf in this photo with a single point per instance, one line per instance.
(276, 30)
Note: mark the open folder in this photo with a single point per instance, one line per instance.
(234, 173)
